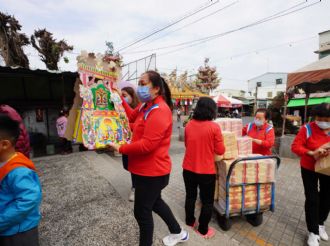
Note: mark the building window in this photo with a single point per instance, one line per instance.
(258, 84)
(270, 94)
(279, 81)
(279, 93)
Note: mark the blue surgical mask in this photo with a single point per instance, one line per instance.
(143, 93)
(127, 99)
(258, 122)
(323, 124)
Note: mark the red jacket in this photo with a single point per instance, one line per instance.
(265, 133)
(309, 138)
(23, 142)
(148, 153)
(203, 139)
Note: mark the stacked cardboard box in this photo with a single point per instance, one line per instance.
(253, 171)
(244, 145)
(246, 172)
(231, 125)
(234, 142)
(250, 197)
(323, 165)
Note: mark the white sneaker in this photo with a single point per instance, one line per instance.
(174, 239)
(323, 234)
(313, 240)
(132, 195)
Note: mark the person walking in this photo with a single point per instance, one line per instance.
(178, 115)
(149, 159)
(311, 143)
(203, 139)
(61, 124)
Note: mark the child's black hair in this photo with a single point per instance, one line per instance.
(9, 129)
(206, 109)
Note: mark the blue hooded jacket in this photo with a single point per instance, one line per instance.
(20, 198)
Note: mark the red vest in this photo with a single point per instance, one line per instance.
(19, 160)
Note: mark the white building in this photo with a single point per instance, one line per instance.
(268, 85)
(324, 44)
(228, 92)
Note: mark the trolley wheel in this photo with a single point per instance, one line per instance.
(255, 219)
(224, 223)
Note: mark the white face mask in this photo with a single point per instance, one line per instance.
(323, 124)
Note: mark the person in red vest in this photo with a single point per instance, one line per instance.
(203, 139)
(149, 159)
(23, 142)
(20, 190)
(311, 143)
(262, 133)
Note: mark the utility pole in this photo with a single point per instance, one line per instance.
(256, 99)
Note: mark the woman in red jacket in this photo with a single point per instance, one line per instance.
(203, 139)
(149, 159)
(262, 133)
(311, 143)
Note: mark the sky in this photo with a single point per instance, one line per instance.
(281, 45)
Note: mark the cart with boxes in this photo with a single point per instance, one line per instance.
(245, 182)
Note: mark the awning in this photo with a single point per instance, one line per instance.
(299, 102)
(311, 74)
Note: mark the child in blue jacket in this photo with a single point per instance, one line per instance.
(20, 191)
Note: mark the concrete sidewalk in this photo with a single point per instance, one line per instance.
(86, 203)
(286, 226)
(111, 169)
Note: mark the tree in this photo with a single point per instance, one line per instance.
(275, 109)
(207, 78)
(12, 42)
(49, 49)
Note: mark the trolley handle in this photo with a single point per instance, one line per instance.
(253, 158)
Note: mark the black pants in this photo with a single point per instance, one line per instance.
(27, 238)
(206, 184)
(317, 204)
(125, 164)
(66, 145)
(147, 199)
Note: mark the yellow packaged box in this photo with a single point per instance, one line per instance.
(250, 197)
(230, 142)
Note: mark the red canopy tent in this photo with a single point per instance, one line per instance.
(227, 102)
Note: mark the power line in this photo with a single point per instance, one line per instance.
(248, 53)
(266, 48)
(263, 20)
(167, 26)
(192, 43)
(189, 24)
